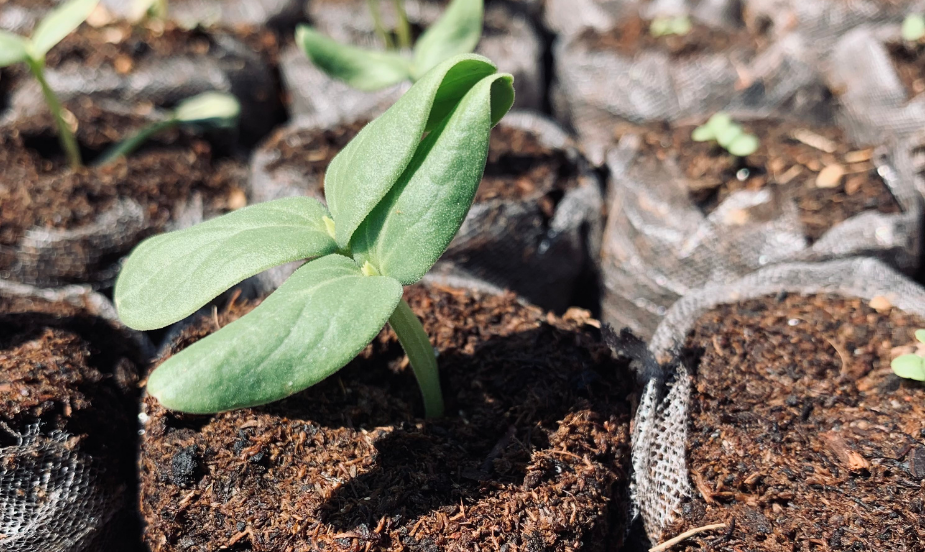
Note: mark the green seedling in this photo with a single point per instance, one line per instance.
(59, 23)
(678, 25)
(396, 195)
(913, 29)
(457, 32)
(155, 9)
(728, 134)
(910, 366)
(206, 111)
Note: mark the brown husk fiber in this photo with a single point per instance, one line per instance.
(532, 455)
(801, 438)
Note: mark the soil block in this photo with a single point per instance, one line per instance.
(531, 456)
(68, 406)
(535, 224)
(800, 436)
(59, 226)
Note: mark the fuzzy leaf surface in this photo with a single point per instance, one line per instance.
(309, 328)
(458, 31)
(59, 23)
(411, 228)
(362, 69)
(362, 174)
(170, 276)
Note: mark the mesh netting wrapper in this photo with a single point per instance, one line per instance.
(598, 85)
(659, 245)
(540, 244)
(222, 12)
(66, 462)
(661, 476)
(509, 39)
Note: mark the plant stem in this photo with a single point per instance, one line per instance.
(380, 28)
(420, 353)
(65, 136)
(404, 29)
(160, 9)
(132, 143)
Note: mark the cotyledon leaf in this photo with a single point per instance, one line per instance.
(457, 32)
(310, 327)
(13, 48)
(367, 168)
(59, 23)
(170, 276)
(362, 69)
(411, 228)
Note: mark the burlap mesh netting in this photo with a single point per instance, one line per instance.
(661, 479)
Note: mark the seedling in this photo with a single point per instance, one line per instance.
(207, 110)
(913, 29)
(59, 23)
(728, 134)
(395, 199)
(910, 366)
(457, 32)
(156, 9)
(678, 25)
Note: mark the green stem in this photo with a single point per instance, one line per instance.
(160, 9)
(404, 29)
(132, 143)
(380, 27)
(65, 136)
(420, 352)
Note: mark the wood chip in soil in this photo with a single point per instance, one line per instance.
(800, 435)
(532, 454)
(783, 162)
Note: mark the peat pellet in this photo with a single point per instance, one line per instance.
(59, 226)
(535, 225)
(531, 455)
(192, 13)
(510, 39)
(68, 426)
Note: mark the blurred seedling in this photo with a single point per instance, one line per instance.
(457, 32)
(913, 29)
(911, 366)
(51, 30)
(728, 134)
(678, 25)
(154, 9)
(209, 110)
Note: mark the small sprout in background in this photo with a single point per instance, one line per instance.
(678, 25)
(205, 111)
(728, 134)
(59, 23)
(155, 9)
(913, 29)
(910, 366)
(394, 203)
(457, 32)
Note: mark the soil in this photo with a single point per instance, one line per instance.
(801, 438)
(632, 36)
(533, 454)
(519, 166)
(37, 188)
(910, 66)
(782, 162)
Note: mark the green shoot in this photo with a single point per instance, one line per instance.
(59, 23)
(394, 203)
(664, 26)
(910, 366)
(913, 29)
(207, 110)
(155, 9)
(728, 134)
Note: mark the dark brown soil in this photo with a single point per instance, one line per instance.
(800, 434)
(783, 162)
(37, 189)
(910, 66)
(532, 454)
(518, 167)
(632, 36)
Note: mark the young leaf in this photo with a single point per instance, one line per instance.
(13, 48)
(216, 109)
(313, 325)
(364, 171)
(920, 335)
(727, 135)
(909, 367)
(743, 145)
(59, 23)
(362, 69)
(719, 121)
(170, 276)
(458, 31)
(703, 133)
(412, 227)
(913, 28)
